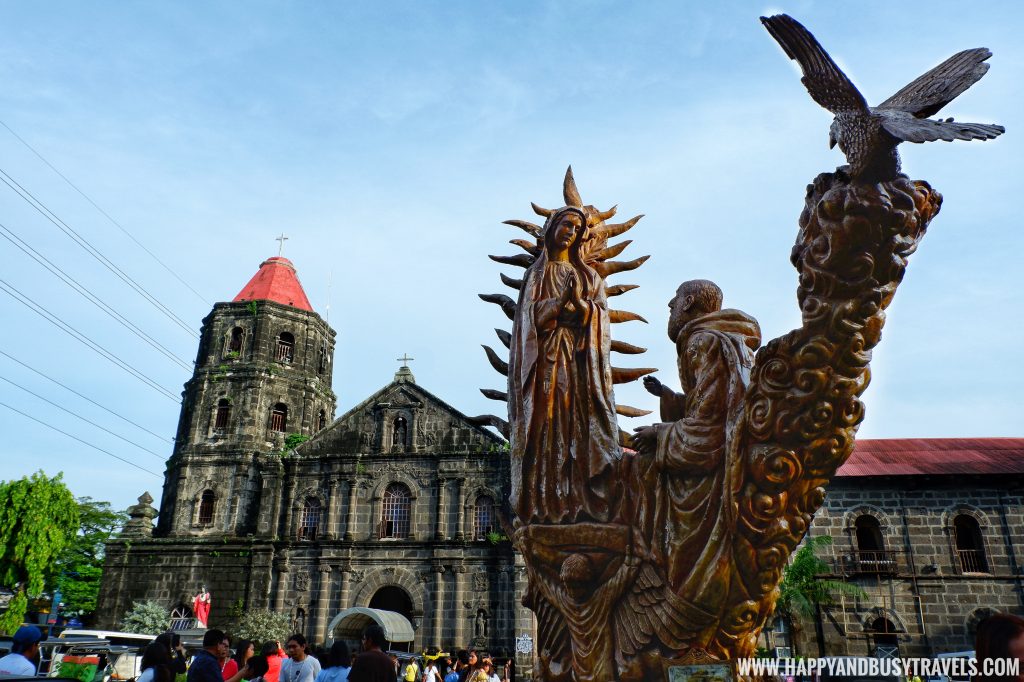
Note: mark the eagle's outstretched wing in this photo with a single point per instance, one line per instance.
(910, 129)
(825, 82)
(650, 610)
(928, 93)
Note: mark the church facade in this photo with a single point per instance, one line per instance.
(272, 503)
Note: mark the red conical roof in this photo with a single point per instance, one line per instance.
(275, 281)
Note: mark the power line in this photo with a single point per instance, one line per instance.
(82, 338)
(84, 397)
(44, 211)
(87, 421)
(105, 214)
(88, 295)
(106, 452)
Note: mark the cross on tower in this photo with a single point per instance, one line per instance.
(404, 359)
(282, 239)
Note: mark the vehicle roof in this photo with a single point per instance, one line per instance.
(91, 643)
(105, 633)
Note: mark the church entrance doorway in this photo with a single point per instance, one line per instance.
(392, 598)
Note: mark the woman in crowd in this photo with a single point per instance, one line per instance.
(156, 664)
(337, 664)
(271, 651)
(172, 640)
(244, 650)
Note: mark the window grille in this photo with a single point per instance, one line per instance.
(970, 548)
(483, 518)
(285, 347)
(223, 417)
(394, 522)
(235, 344)
(206, 503)
(279, 418)
(309, 524)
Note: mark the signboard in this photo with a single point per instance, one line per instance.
(701, 672)
(524, 644)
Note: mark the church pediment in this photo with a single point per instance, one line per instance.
(401, 418)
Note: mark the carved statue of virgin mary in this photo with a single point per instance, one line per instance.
(564, 433)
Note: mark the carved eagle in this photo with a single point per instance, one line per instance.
(869, 135)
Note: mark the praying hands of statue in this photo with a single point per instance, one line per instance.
(571, 303)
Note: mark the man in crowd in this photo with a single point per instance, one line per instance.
(206, 663)
(299, 666)
(373, 665)
(412, 671)
(468, 664)
(24, 651)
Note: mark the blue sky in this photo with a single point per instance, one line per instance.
(389, 141)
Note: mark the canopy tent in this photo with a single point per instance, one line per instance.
(350, 623)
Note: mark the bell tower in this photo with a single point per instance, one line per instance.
(262, 383)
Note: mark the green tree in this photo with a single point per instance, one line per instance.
(263, 626)
(80, 566)
(38, 518)
(147, 618)
(803, 590)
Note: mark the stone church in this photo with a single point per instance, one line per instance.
(273, 504)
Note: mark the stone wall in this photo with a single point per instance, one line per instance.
(919, 584)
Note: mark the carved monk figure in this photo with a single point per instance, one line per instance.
(694, 472)
(566, 438)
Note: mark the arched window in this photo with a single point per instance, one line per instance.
(206, 503)
(483, 517)
(309, 522)
(223, 417)
(323, 357)
(871, 556)
(235, 344)
(394, 520)
(321, 421)
(886, 641)
(399, 433)
(869, 534)
(285, 347)
(279, 418)
(970, 548)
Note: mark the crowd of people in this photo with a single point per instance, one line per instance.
(164, 660)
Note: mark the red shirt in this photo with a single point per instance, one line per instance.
(229, 669)
(273, 670)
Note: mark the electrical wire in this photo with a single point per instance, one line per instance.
(82, 338)
(94, 447)
(44, 211)
(105, 214)
(87, 421)
(86, 398)
(83, 291)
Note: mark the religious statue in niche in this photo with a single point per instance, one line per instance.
(480, 625)
(667, 547)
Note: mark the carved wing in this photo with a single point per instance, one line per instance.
(826, 83)
(928, 93)
(912, 129)
(649, 610)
